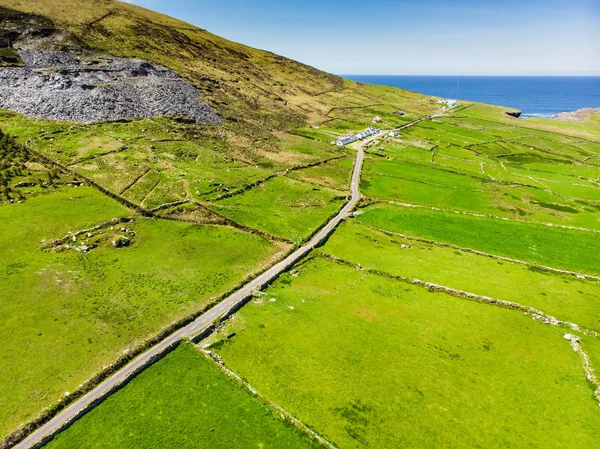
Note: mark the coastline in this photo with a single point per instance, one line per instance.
(577, 116)
(536, 96)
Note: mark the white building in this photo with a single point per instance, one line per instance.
(369, 132)
(343, 141)
(450, 103)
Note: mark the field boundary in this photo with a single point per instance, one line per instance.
(135, 181)
(13, 439)
(136, 207)
(61, 241)
(474, 214)
(282, 173)
(482, 253)
(63, 414)
(217, 361)
(510, 305)
(590, 373)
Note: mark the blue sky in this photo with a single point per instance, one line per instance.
(416, 37)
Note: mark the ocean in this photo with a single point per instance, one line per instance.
(536, 96)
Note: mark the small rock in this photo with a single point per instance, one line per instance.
(572, 338)
(121, 242)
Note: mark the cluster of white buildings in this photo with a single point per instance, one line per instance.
(343, 141)
(450, 103)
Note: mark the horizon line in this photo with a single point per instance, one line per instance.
(474, 75)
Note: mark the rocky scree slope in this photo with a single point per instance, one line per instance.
(60, 86)
(263, 90)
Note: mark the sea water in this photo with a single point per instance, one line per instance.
(536, 96)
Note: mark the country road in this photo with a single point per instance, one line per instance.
(88, 401)
(138, 364)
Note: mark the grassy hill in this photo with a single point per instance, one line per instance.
(239, 81)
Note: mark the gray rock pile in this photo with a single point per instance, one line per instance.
(578, 115)
(59, 86)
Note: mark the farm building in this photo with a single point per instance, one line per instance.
(450, 103)
(369, 132)
(345, 140)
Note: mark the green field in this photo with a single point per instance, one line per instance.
(372, 362)
(343, 341)
(184, 401)
(66, 315)
(333, 175)
(547, 198)
(564, 297)
(79, 311)
(551, 246)
(284, 207)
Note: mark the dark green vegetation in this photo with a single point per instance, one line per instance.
(21, 173)
(10, 58)
(183, 401)
(373, 362)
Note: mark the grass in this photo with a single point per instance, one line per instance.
(10, 58)
(283, 207)
(421, 185)
(333, 175)
(494, 116)
(564, 297)
(555, 247)
(424, 183)
(66, 315)
(372, 362)
(153, 162)
(183, 401)
(591, 346)
(368, 361)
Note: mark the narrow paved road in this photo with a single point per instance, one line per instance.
(80, 406)
(88, 401)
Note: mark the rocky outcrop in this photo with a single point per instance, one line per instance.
(14, 24)
(61, 86)
(514, 114)
(577, 116)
